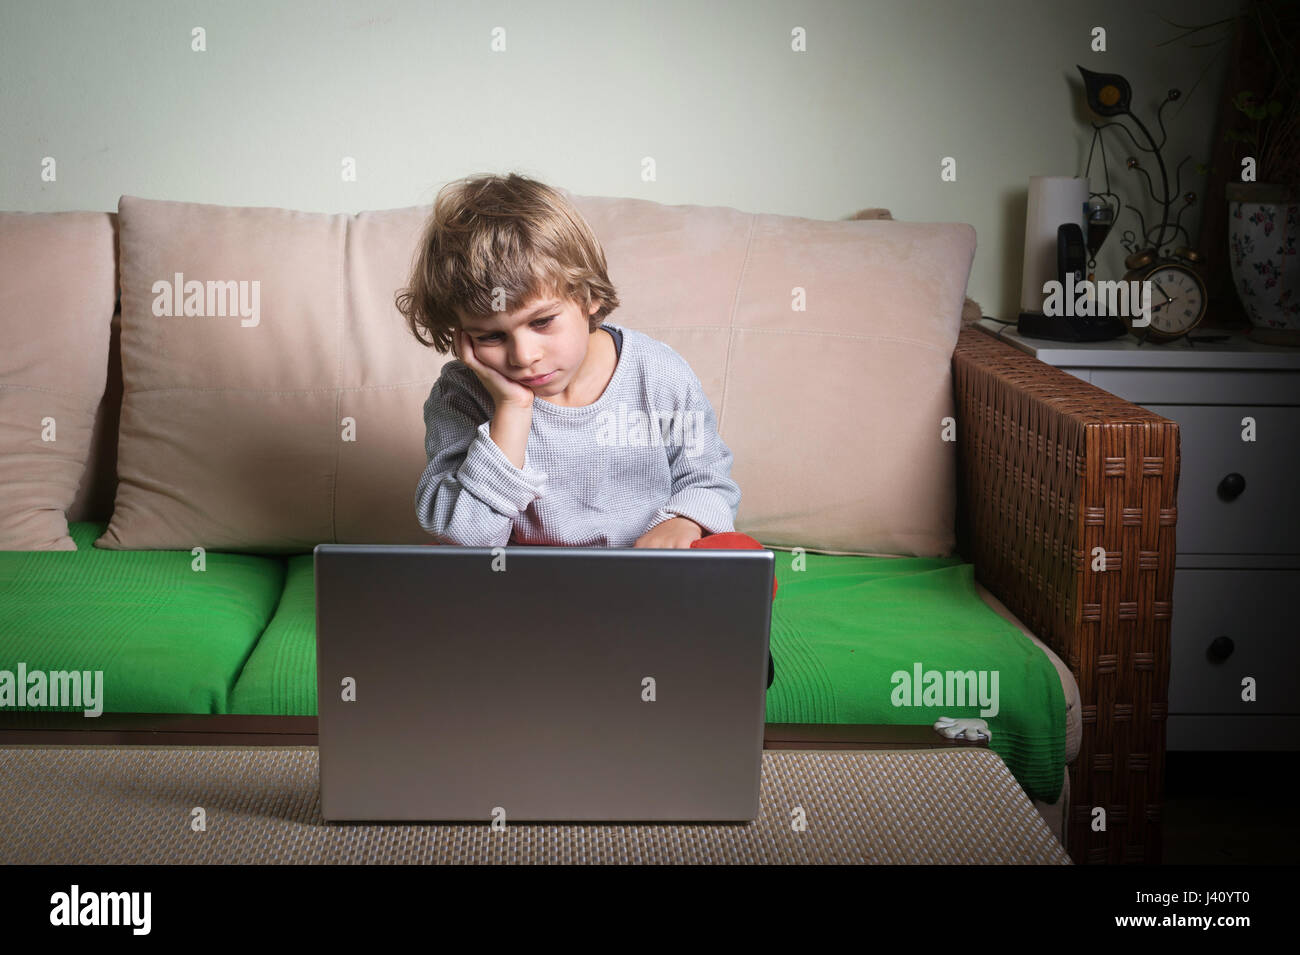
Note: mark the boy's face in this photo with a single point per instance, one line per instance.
(546, 336)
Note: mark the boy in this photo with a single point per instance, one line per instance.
(553, 428)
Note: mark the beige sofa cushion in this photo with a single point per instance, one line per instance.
(293, 419)
(825, 348)
(304, 424)
(58, 287)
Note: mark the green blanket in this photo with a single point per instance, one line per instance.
(848, 634)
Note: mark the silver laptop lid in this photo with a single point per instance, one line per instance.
(541, 683)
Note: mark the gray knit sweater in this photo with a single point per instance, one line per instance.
(601, 475)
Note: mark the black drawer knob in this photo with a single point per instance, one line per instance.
(1220, 649)
(1231, 486)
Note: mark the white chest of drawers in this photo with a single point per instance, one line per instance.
(1236, 612)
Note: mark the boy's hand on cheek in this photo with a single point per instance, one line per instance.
(679, 532)
(503, 390)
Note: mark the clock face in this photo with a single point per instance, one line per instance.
(1176, 300)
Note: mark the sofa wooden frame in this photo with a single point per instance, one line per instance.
(1050, 468)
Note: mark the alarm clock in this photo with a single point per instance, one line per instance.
(1178, 297)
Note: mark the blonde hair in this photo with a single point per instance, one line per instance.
(501, 232)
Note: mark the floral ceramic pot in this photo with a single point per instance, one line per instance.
(1263, 229)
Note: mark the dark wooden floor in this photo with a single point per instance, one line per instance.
(1230, 809)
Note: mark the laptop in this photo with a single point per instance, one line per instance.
(541, 684)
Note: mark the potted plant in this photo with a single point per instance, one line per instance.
(1264, 212)
(1258, 160)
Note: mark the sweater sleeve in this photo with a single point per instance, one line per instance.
(701, 470)
(470, 493)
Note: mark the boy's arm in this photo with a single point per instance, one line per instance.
(701, 467)
(470, 493)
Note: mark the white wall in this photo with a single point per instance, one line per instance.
(582, 92)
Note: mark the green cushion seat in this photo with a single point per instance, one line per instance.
(842, 627)
(280, 677)
(167, 638)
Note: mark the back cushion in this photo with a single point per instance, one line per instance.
(58, 286)
(825, 348)
(295, 417)
(279, 404)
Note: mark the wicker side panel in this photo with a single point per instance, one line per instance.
(1052, 468)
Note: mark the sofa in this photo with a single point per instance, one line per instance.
(192, 397)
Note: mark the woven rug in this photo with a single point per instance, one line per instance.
(75, 804)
